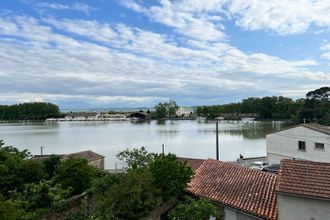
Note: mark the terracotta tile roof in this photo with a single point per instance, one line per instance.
(88, 155)
(241, 188)
(194, 163)
(305, 178)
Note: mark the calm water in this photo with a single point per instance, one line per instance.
(184, 138)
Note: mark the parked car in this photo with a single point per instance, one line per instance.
(273, 168)
(258, 165)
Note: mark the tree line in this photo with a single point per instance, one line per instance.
(314, 108)
(29, 111)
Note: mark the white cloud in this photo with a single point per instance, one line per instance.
(123, 64)
(76, 6)
(326, 48)
(192, 17)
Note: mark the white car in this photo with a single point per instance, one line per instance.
(258, 165)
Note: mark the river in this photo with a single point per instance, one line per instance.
(185, 138)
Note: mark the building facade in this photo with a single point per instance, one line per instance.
(303, 190)
(305, 142)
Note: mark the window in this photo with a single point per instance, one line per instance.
(302, 145)
(319, 146)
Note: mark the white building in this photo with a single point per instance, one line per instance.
(82, 116)
(303, 190)
(184, 112)
(304, 141)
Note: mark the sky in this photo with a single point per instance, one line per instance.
(134, 53)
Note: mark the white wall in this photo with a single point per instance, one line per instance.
(284, 144)
(291, 207)
(230, 214)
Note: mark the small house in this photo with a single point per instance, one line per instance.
(303, 190)
(304, 141)
(239, 193)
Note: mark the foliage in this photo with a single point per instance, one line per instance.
(51, 164)
(9, 209)
(102, 184)
(75, 173)
(29, 111)
(133, 197)
(16, 170)
(165, 109)
(193, 209)
(315, 108)
(136, 158)
(42, 195)
(170, 175)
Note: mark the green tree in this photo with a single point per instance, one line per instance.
(75, 173)
(51, 164)
(133, 197)
(170, 175)
(136, 158)
(199, 209)
(9, 209)
(166, 109)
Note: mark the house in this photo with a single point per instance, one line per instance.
(239, 193)
(140, 116)
(82, 116)
(109, 116)
(93, 158)
(304, 141)
(303, 190)
(184, 112)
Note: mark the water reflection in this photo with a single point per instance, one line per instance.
(184, 138)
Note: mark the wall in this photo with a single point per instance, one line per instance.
(284, 144)
(292, 207)
(99, 163)
(230, 214)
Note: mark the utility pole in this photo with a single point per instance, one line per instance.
(217, 137)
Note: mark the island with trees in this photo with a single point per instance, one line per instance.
(29, 111)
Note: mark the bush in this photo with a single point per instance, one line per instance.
(199, 209)
(75, 173)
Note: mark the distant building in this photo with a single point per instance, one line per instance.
(140, 116)
(240, 193)
(117, 116)
(93, 158)
(81, 116)
(304, 141)
(303, 190)
(184, 112)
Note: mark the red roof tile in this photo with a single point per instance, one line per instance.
(194, 163)
(241, 188)
(306, 178)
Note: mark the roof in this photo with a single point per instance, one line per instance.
(241, 188)
(193, 163)
(45, 156)
(82, 114)
(88, 155)
(313, 126)
(304, 178)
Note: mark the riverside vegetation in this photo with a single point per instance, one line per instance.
(32, 189)
(314, 108)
